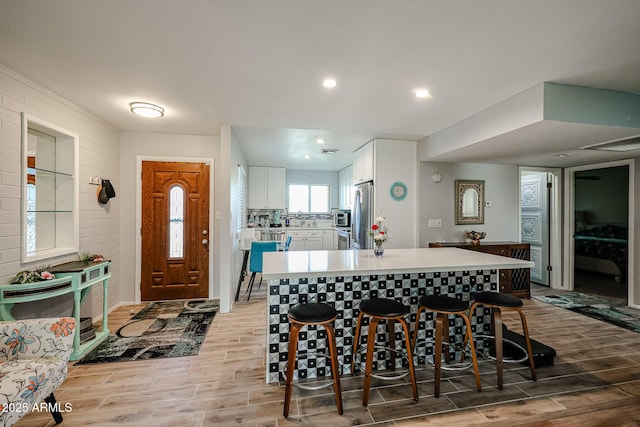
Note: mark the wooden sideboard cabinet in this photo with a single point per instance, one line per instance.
(516, 281)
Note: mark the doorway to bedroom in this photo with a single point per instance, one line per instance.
(601, 231)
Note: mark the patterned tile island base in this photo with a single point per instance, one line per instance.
(345, 294)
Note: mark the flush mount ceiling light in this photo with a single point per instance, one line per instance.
(329, 83)
(145, 109)
(422, 93)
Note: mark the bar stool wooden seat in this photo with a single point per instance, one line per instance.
(444, 306)
(306, 314)
(499, 302)
(378, 309)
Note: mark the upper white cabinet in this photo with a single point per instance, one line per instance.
(49, 190)
(363, 164)
(345, 185)
(266, 187)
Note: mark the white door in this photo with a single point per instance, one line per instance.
(534, 222)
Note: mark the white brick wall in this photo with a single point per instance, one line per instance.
(99, 156)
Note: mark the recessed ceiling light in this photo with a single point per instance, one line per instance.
(564, 155)
(145, 109)
(329, 83)
(319, 141)
(422, 93)
(306, 156)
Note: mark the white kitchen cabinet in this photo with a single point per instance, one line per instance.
(297, 240)
(313, 241)
(345, 186)
(363, 164)
(266, 187)
(305, 240)
(276, 188)
(328, 237)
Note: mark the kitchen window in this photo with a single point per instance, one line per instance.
(309, 198)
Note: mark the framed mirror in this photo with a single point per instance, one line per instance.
(469, 197)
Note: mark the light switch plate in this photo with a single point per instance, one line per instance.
(435, 223)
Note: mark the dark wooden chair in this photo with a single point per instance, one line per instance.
(445, 306)
(382, 309)
(306, 314)
(498, 302)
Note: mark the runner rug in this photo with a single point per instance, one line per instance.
(160, 330)
(600, 308)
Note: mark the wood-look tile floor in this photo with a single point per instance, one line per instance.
(595, 381)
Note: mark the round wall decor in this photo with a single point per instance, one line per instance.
(398, 191)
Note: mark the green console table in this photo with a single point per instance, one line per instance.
(77, 277)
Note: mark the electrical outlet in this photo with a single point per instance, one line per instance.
(435, 223)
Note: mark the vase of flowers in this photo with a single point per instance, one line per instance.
(379, 235)
(476, 236)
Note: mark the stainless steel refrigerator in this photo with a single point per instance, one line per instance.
(362, 216)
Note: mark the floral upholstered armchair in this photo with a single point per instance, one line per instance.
(34, 357)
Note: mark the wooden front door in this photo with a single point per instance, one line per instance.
(175, 230)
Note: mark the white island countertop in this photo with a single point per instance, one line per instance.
(279, 265)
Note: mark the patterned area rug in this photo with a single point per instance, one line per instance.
(161, 329)
(600, 308)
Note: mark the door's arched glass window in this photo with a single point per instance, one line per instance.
(176, 222)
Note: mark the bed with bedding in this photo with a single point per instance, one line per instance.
(602, 249)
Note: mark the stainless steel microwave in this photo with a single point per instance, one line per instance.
(342, 219)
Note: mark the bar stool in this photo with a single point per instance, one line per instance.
(497, 302)
(305, 314)
(444, 306)
(382, 309)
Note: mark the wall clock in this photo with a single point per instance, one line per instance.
(398, 191)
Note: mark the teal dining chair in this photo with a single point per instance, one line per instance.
(255, 260)
(287, 243)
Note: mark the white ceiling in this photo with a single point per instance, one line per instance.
(258, 65)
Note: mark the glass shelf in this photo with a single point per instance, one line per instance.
(50, 172)
(50, 211)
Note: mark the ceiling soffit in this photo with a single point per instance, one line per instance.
(579, 116)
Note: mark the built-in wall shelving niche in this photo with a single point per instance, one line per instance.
(50, 186)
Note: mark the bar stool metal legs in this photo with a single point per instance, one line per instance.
(498, 302)
(380, 309)
(311, 314)
(444, 306)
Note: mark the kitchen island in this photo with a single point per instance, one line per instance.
(344, 278)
